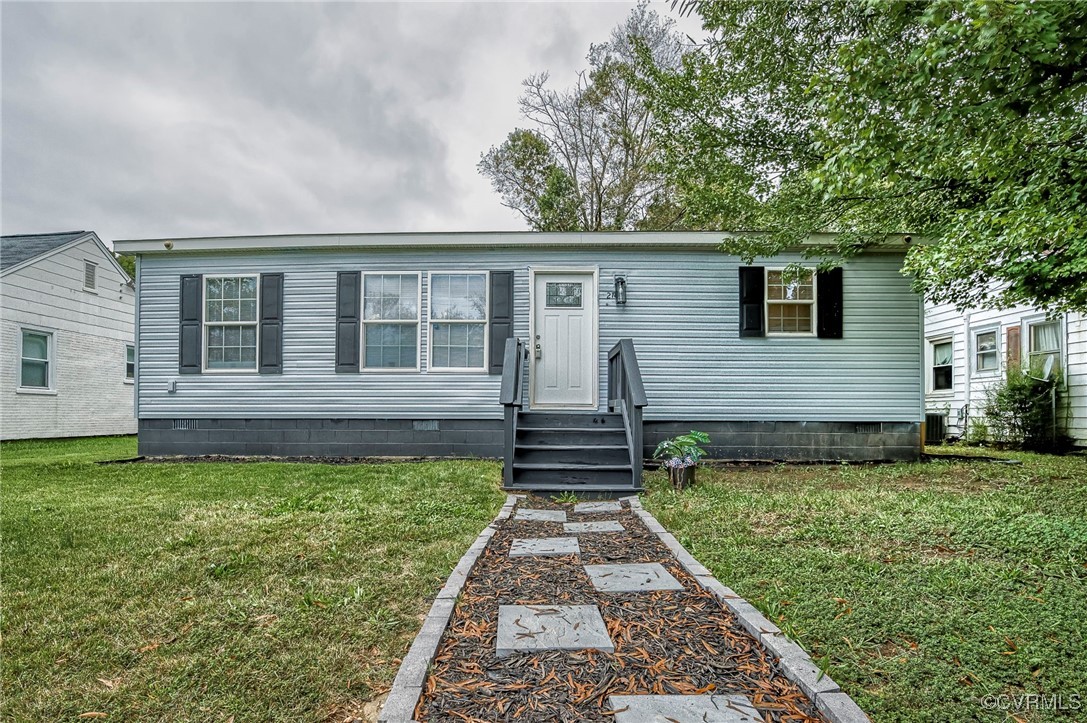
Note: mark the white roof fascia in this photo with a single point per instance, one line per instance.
(451, 240)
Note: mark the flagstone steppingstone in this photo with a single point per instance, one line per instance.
(530, 515)
(535, 628)
(540, 637)
(683, 709)
(571, 528)
(602, 506)
(545, 547)
(632, 577)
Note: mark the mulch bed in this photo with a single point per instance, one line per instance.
(666, 642)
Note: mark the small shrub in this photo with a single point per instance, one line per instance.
(1021, 412)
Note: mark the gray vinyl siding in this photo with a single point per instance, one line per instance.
(682, 314)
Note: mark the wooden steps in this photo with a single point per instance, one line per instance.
(583, 453)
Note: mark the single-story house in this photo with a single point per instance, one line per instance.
(569, 354)
(967, 352)
(66, 325)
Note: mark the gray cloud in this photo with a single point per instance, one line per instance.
(142, 120)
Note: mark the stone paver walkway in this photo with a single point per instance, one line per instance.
(619, 624)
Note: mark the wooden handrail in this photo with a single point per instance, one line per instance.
(632, 374)
(513, 361)
(626, 391)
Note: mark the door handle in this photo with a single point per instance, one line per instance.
(539, 351)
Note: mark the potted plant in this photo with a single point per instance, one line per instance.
(681, 455)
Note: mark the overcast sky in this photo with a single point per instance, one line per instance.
(166, 119)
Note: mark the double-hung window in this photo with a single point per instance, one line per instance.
(230, 323)
(986, 351)
(790, 302)
(458, 321)
(130, 362)
(943, 370)
(1044, 344)
(390, 321)
(36, 369)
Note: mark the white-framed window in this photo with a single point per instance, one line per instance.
(390, 321)
(459, 311)
(790, 302)
(1043, 342)
(942, 364)
(130, 362)
(987, 351)
(36, 372)
(90, 275)
(230, 323)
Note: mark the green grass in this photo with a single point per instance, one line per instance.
(920, 588)
(264, 591)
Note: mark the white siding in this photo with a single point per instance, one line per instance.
(682, 315)
(90, 333)
(968, 394)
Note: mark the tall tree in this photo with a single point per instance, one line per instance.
(587, 162)
(961, 121)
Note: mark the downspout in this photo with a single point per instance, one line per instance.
(136, 344)
(967, 396)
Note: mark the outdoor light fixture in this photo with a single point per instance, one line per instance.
(620, 290)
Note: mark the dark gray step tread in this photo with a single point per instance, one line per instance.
(572, 467)
(569, 447)
(597, 428)
(589, 415)
(565, 487)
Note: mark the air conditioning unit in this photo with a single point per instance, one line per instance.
(935, 428)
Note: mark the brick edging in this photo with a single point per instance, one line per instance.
(408, 685)
(796, 664)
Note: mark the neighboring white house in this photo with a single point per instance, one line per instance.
(966, 352)
(67, 356)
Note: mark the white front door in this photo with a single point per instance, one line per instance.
(563, 346)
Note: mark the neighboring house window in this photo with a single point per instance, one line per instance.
(90, 275)
(1045, 342)
(390, 321)
(130, 362)
(986, 353)
(790, 302)
(458, 321)
(942, 367)
(230, 322)
(36, 371)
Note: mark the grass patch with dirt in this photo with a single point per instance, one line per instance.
(920, 588)
(260, 591)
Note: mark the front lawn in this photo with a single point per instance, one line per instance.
(266, 591)
(920, 588)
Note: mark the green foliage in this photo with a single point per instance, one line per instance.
(1022, 410)
(261, 591)
(128, 263)
(685, 447)
(588, 162)
(960, 121)
(906, 582)
(566, 498)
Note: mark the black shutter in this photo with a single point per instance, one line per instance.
(752, 293)
(271, 324)
(348, 300)
(501, 326)
(189, 341)
(828, 300)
